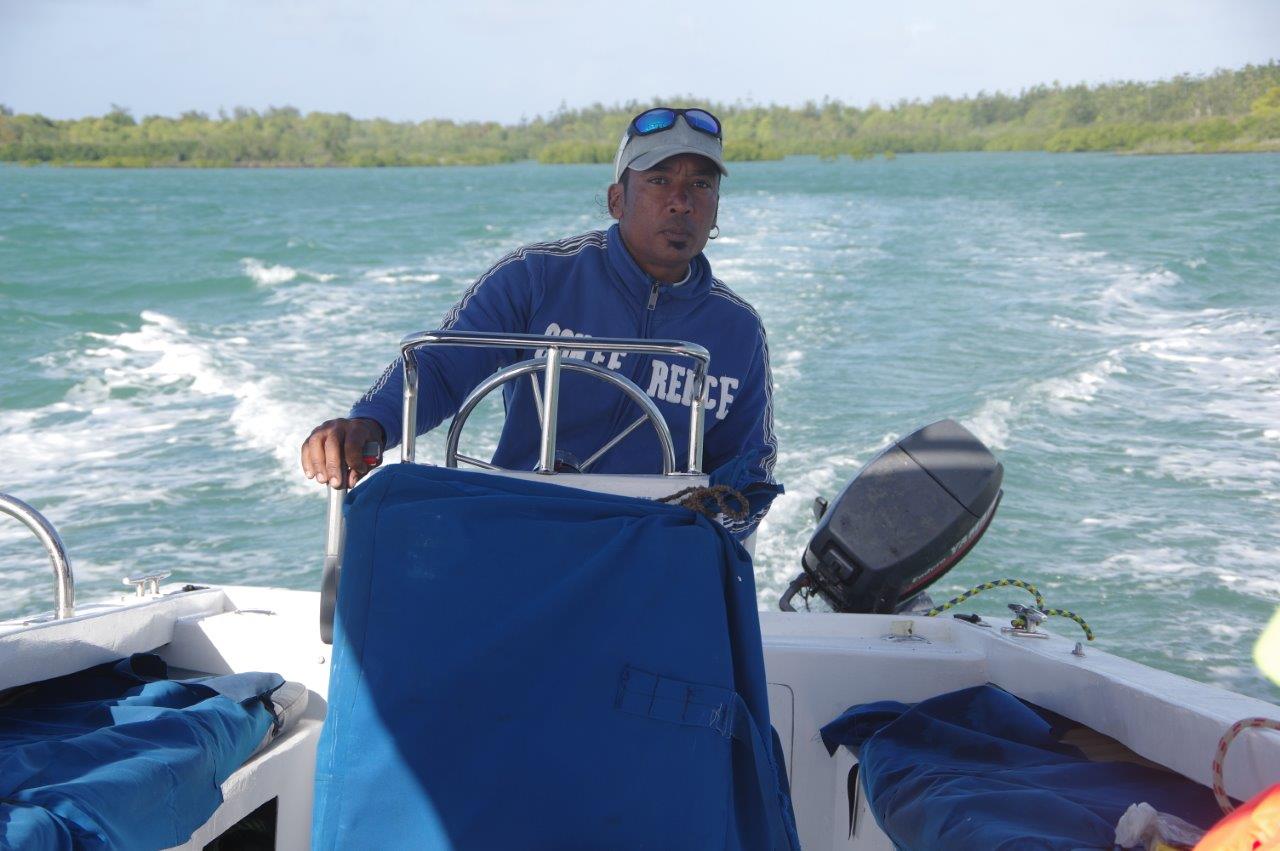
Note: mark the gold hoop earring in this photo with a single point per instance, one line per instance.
(715, 228)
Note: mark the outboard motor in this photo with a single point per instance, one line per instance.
(906, 519)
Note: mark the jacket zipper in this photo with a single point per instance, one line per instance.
(642, 364)
(654, 290)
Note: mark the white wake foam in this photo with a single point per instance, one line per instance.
(1130, 285)
(990, 423)
(267, 276)
(1062, 396)
(272, 275)
(161, 382)
(401, 275)
(1069, 394)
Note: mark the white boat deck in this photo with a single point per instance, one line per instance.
(818, 665)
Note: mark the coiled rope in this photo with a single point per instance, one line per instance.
(1220, 758)
(1018, 622)
(700, 499)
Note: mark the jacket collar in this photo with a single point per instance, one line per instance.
(639, 285)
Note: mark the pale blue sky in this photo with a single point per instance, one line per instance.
(503, 59)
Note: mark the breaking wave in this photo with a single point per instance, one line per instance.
(269, 276)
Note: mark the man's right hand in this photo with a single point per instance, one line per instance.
(337, 445)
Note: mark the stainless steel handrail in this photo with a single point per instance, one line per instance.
(334, 539)
(555, 346)
(64, 581)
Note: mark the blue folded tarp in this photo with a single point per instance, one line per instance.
(522, 665)
(980, 769)
(117, 756)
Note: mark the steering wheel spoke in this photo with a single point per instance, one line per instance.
(475, 462)
(614, 441)
(537, 394)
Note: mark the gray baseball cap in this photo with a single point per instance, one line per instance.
(644, 152)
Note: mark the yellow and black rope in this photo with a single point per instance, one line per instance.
(1018, 622)
(987, 586)
(1071, 616)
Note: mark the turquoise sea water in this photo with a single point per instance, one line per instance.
(1109, 325)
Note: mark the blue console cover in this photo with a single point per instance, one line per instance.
(117, 756)
(980, 769)
(523, 665)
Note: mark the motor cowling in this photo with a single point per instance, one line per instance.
(907, 518)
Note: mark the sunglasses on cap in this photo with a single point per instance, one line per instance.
(663, 118)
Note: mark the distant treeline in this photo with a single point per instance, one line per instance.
(1224, 111)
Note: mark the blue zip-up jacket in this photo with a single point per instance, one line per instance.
(590, 286)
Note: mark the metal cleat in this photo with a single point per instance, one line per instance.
(1025, 621)
(148, 584)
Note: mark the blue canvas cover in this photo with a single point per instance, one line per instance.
(980, 769)
(523, 665)
(118, 756)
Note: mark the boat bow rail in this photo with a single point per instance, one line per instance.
(64, 579)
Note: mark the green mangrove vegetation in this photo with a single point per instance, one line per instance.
(1229, 110)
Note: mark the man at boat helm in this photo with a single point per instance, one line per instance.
(645, 277)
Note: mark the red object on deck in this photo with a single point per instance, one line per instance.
(1253, 826)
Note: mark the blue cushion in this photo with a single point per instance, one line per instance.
(117, 756)
(523, 665)
(978, 768)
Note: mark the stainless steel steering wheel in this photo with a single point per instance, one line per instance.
(547, 412)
